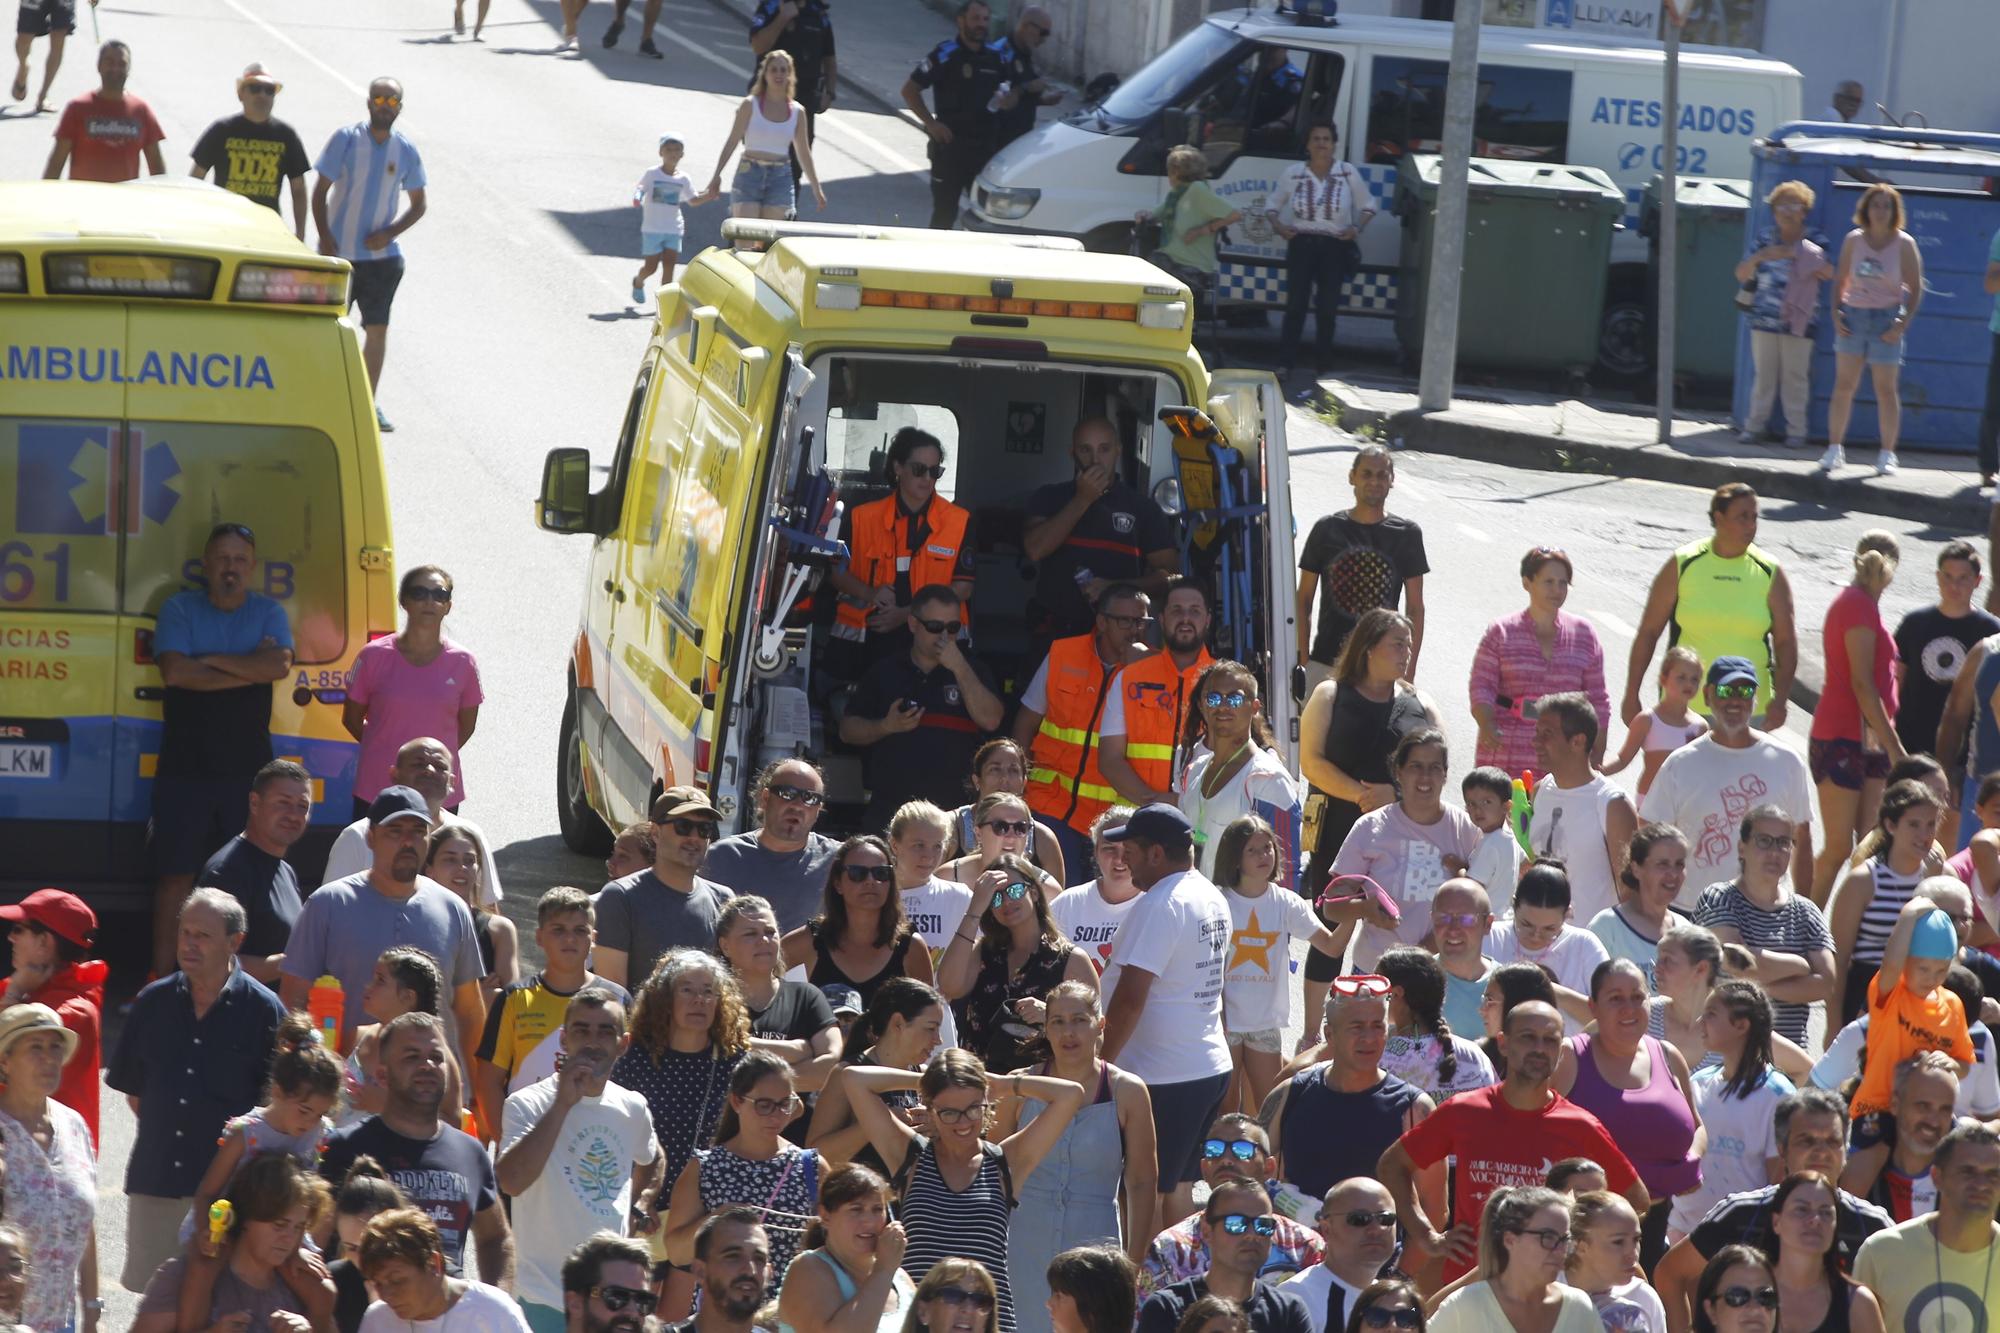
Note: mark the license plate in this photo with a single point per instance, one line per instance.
(27, 761)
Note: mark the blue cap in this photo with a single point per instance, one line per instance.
(1729, 670)
(398, 803)
(1159, 823)
(1935, 936)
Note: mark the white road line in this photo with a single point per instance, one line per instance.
(1466, 529)
(311, 59)
(1613, 623)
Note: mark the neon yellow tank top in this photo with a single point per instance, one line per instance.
(1724, 607)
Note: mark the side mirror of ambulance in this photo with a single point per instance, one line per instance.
(565, 500)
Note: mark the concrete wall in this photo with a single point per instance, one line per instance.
(1932, 56)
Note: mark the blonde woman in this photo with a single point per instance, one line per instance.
(1853, 740)
(1002, 824)
(770, 126)
(1192, 215)
(1876, 294)
(1786, 267)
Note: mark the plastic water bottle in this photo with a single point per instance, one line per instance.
(327, 1003)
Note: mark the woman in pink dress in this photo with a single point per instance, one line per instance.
(1520, 658)
(411, 685)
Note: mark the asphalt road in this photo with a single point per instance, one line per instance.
(513, 333)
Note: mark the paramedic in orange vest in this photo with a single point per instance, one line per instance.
(1058, 722)
(1139, 735)
(907, 540)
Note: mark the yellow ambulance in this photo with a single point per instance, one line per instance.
(764, 399)
(171, 357)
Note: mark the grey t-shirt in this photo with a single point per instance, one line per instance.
(232, 1295)
(643, 918)
(793, 882)
(344, 927)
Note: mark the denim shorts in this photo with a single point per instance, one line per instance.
(1865, 328)
(764, 184)
(655, 242)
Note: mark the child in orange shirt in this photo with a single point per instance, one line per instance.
(1917, 1014)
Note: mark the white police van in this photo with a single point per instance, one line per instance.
(1244, 86)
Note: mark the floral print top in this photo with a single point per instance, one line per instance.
(52, 1198)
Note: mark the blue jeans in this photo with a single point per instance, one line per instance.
(764, 184)
(1863, 338)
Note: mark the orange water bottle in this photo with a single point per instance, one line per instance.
(327, 1003)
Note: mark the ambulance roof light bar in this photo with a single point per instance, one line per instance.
(770, 230)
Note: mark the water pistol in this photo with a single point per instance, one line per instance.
(220, 1214)
(1524, 809)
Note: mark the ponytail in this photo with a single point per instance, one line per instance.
(1422, 978)
(300, 1065)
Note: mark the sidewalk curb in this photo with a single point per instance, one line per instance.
(885, 101)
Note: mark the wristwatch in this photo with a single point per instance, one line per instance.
(94, 1305)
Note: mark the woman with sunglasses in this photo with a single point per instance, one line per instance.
(1813, 1292)
(900, 1028)
(1091, 1290)
(1386, 1304)
(1524, 1242)
(860, 938)
(1738, 1293)
(791, 1019)
(1002, 825)
(1106, 1150)
(1521, 657)
(956, 1190)
(412, 684)
(750, 1164)
(1241, 771)
(849, 1278)
(1604, 1264)
(956, 1296)
(1001, 766)
(1005, 954)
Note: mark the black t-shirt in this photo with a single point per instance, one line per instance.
(798, 1012)
(265, 884)
(250, 159)
(1111, 541)
(929, 762)
(448, 1175)
(350, 1295)
(1360, 566)
(1984, 966)
(1933, 646)
(808, 40)
(1745, 1219)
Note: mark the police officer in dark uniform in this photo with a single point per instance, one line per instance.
(1027, 89)
(1271, 102)
(802, 29)
(964, 75)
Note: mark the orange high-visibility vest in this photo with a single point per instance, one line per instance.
(1064, 782)
(1157, 696)
(880, 551)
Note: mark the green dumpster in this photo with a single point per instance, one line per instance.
(1537, 258)
(1709, 240)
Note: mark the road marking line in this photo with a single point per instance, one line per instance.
(310, 58)
(1613, 623)
(1468, 530)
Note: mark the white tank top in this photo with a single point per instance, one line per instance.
(769, 138)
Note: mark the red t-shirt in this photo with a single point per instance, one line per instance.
(106, 136)
(1497, 1145)
(1839, 714)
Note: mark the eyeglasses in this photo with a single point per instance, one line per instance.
(1741, 689)
(773, 1105)
(952, 1115)
(261, 89)
(689, 828)
(1123, 620)
(232, 530)
(1550, 1238)
(925, 470)
(1788, 208)
(978, 1300)
(951, 627)
(1368, 1217)
(1465, 920)
(862, 874)
(1013, 893)
(1006, 826)
(1772, 842)
(791, 795)
(1235, 698)
(1738, 1297)
(617, 1298)
(428, 594)
(1381, 1316)
(1362, 983)
(1243, 1150)
(1235, 1224)
(389, 101)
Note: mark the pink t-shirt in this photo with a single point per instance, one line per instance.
(1839, 715)
(406, 702)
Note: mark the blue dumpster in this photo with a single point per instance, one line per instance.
(1947, 179)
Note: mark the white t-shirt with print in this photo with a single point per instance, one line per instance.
(1497, 866)
(1742, 1133)
(1263, 786)
(1415, 1061)
(1573, 957)
(481, 1309)
(1090, 922)
(660, 198)
(586, 1185)
(1257, 979)
(935, 911)
(1704, 788)
(1178, 931)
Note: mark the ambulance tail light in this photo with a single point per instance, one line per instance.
(142, 647)
(272, 284)
(175, 276)
(1171, 315)
(704, 755)
(13, 273)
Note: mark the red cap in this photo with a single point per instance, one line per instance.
(64, 914)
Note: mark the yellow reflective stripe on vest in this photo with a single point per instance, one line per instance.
(1164, 752)
(1090, 791)
(1067, 735)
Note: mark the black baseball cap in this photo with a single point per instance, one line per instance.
(1160, 824)
(398, 803)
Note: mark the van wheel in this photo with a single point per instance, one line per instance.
(582, 830)
(1624, 337)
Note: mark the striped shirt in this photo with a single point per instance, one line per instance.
(1509, 664)
(367, 177)
(1878, 919)
(1794, 926)
(944, 1223)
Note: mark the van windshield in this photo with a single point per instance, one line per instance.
(1161, 81)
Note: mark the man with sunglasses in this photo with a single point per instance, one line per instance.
(1704, 788)
(363, 171)
(782, 860)
(607, 1286)
(666, 906)
(254, 153)
(1237, 1148)
(1140, 733)
(577, 1155)
(220, 648)
(425, 766)
(910, 539)
(922, 714)
(1027, 88)
(732, 1265)
(1940, 1265)
(1239, 1225)
(1358, 1220)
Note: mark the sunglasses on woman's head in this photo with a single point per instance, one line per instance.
(1013, 893)
(1006, 826)
(978, 1300)
(617, 1298)
(1243, 1150)
(1381, 1316)
(862, 874)
(1237, 1223)
(1738, 1297)
(1235, 698)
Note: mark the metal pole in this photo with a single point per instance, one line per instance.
(1664, 300)
(1448, 240)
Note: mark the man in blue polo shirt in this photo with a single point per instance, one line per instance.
(193, 1056)
(922, 714)
(361, 170)
(1087, 534)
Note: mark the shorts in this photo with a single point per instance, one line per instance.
(375, 283)
(764, 185)
(1863, 338)
(1181, 1116)
(39, 18)
(1844, 763)
(192, 817)
(152, 1226)
(1268, 1040)
(658, 242)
